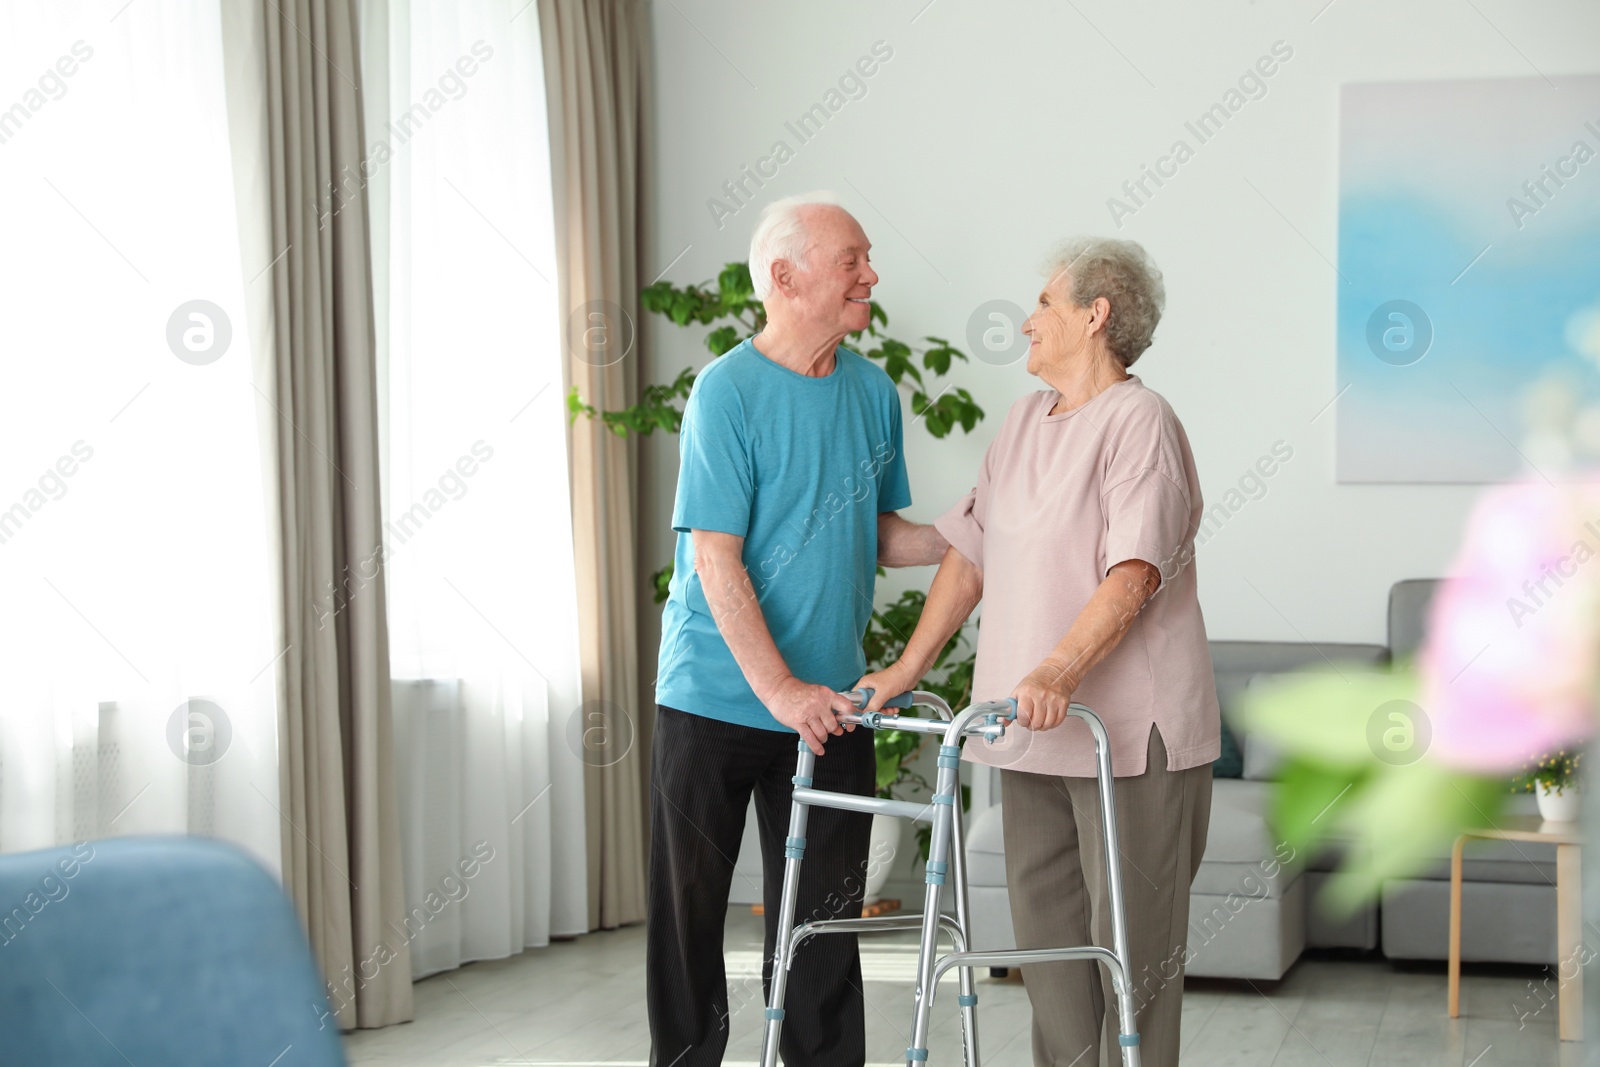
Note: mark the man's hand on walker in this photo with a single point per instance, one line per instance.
(886, 684)
(811, 710)
(1043, 696)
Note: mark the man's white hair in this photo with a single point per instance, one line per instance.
(780, 234)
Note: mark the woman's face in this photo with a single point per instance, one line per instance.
(1058, 328)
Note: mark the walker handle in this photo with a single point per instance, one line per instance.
(1010, 714)
(993, 727)
(862, 697)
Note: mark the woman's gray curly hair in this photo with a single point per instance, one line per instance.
(1123, 273)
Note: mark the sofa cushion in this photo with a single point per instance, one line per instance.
(1327, 927)
(1264, 879)
(1512, 862)
(1238, 828)
(1241, 855)
(986, 848)
(990, 917)
(1231, 763)
(1240, 849)
(1261, 758)
(1234, 663)
(1500, 923)
(1408, 615)
(1233, 938)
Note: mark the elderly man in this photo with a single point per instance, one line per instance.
(792, 468)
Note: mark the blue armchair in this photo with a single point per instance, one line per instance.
(175, 951)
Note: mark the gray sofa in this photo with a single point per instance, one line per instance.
(1508, 895)
(1252, 913)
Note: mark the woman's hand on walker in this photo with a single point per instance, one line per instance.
(886, 684)
(1043, 696)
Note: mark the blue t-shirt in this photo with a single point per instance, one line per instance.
(799, 467)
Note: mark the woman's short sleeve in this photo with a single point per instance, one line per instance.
(962, 527)
(1147, 517)
(963, 524)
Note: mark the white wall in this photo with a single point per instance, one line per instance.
(997, 129)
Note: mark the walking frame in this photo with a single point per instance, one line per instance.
(946, 856)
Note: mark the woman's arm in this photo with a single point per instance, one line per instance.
(902, 543)
(1043, 696)
(956, 590)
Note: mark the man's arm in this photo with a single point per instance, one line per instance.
(719, 563)
(908, 544)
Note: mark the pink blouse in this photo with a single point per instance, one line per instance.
(1060, 500)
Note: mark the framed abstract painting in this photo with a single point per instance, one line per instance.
(1469, 280)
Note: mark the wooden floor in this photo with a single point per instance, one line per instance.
(581, 1003)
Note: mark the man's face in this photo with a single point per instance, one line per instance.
(832, 295)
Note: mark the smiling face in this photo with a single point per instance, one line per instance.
(1059, 330)
(831, 296)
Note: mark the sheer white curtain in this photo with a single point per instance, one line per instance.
(135, 593)
(482, 599)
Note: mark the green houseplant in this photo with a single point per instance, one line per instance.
(1553, 778)
(729, 306)
(1553, 773)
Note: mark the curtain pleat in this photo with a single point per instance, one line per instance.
(341, 846)
(480, 579)
(595, 73)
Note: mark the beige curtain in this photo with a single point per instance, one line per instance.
(341, 840)
(595, 75)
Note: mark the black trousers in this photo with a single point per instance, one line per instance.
(703, 774)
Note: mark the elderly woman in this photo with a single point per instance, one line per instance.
(1079, 540)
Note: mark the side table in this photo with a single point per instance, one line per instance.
(1568, 839)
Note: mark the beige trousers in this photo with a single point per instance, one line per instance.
(1055, 871)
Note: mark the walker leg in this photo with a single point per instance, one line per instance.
(793, 851)
(945, 796)
(917, 1053)
(1122, 974)
(969, 995)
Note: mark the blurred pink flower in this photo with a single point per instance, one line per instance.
(1508, 668)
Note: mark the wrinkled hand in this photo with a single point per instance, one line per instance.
(1043, 696)
(809, 710)
(887, 684)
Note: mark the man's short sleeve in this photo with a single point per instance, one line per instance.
(1147, 517)
(716, 486)
(894, 486)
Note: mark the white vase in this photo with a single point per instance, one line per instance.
(888, 833)
(1562, 807)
